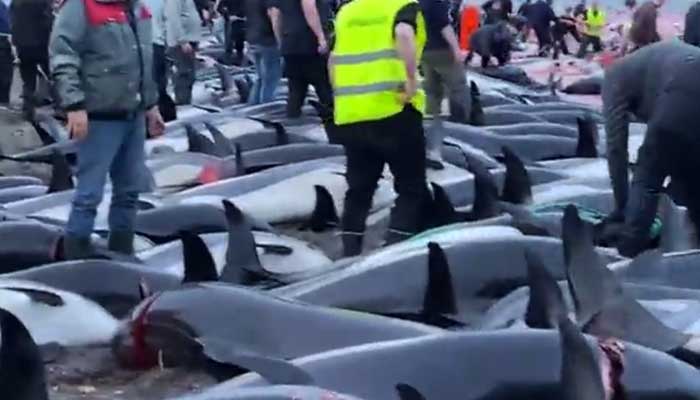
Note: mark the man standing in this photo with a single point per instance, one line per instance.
(303, 27)
(101, 59)
(659, 85)
(31, 28)
(161, 69)
(643, 30)
(234, 14)
(594, 24)
(541, 19)
(379, 112)
(265, 51)
(443, 64)
(183, 31)
(7, 67)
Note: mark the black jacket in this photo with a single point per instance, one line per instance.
(31, 22)
(692, 25)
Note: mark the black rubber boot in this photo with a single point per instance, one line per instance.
(77, 248)
(121, 242)
(352, 244)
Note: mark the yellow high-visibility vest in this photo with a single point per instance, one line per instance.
(595, 22)
(368, 73)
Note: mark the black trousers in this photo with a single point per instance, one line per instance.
(586, 41)
(31, 59)
(399, 142)
(302, 71)
(670, 148)
(7, 69)
(235, 37)
(544, 37)
(160, 69)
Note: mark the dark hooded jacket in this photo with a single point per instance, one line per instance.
(692, 25)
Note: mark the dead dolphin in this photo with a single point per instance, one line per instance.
(591, 85)
(22, 375)
(499, 117)
(277, 392)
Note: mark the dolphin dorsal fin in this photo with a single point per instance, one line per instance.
(242, 261)
(486, 201)
(222, 143)
(581, 378)
(199, 263)
(408, 392)
(587, 137)
(546, 306)
(325, 214)
(61, 176)
(517, 188)
(439, 298)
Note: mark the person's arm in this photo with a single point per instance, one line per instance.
(65, 48)
(406, 49)
(314, 21)
(616, 111)
(173, 24)
(276, 20)
(451, 38)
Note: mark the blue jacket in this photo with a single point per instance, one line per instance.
(4, 19)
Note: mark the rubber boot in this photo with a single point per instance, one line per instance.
(77, 248)
(352, 244)
(121, 242)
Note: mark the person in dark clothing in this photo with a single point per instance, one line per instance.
(524, 14)
(659, 85)
(643, 30)
(565, 25)
(497, 10)
(691, 35)
(541, 19)
(31, 22)
(6, 58)
(303, 28)
(234, 14)
(265, 51)
(491, 41)
(580, 10)
(443, 64)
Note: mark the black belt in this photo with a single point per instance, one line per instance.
(114, 115)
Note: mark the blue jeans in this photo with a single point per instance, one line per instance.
(115, 148)
(268, 63)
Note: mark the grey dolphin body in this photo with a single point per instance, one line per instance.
(250, 322)
(26, 244)
(22, 375)
(277, 392)
(567, 117)
(535, 128)
(498, 117)
(494, 365)
(7, 182)
(543, 107)
(591, 85)
(18, 193)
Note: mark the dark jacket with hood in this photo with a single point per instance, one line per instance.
(31, 22)
(692, 25)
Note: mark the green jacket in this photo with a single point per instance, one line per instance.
(101, 57)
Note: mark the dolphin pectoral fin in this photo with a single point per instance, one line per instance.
(280, 130)
(517, 188)
(275, 371)
(580, 372)
(546, 306)
(61, 176)
(38, 296)
(325, 214)
(199, 263)
(22, 371)
(439, 298)
(408, 392)
(277, 249)
(222, 144)
(242, 262)
(587, 137)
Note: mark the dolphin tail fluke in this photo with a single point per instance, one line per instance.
(325, 214)
(199, 263)
(439, 299)
(546, 306)
(61, 176)
(587, 137)
(275, 371)
(442, 212)
(280, 130)
(581, 378)
(517, 188)
(23, 376)
(242, 262)
(486, 199)
(408, 392)
(222, 143)
(676, 230)
(167, 107)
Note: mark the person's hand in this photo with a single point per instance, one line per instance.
(155, 124)
(322, 45)
(460, 55)
(186, 48)
(77, 124)
(409, 90)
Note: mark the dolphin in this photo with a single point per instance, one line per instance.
(61, 179)
(277, 392)
(567, 117)
(591, 85)
(206, 319)
(543, 107)
(498, 117)
(22, 375)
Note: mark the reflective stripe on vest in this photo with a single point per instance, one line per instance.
(368, 73)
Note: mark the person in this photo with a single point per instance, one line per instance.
(691, 35)
(265, 51)
(541, 19)
(657, 84)
(31, 22)
(497, 10)
(566, 24)
(593, 29)
(160, 62)
(183, 31)
(443, 64)
(491, 40)
(379, 112)
(643, 30)
(303, 27)
(101, 60)
(524, 14)
(7, 67)
(580, 10)
(470, 20)
(234, 15)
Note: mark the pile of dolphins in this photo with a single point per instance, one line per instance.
(511, 291)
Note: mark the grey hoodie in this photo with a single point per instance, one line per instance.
(182, 22)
